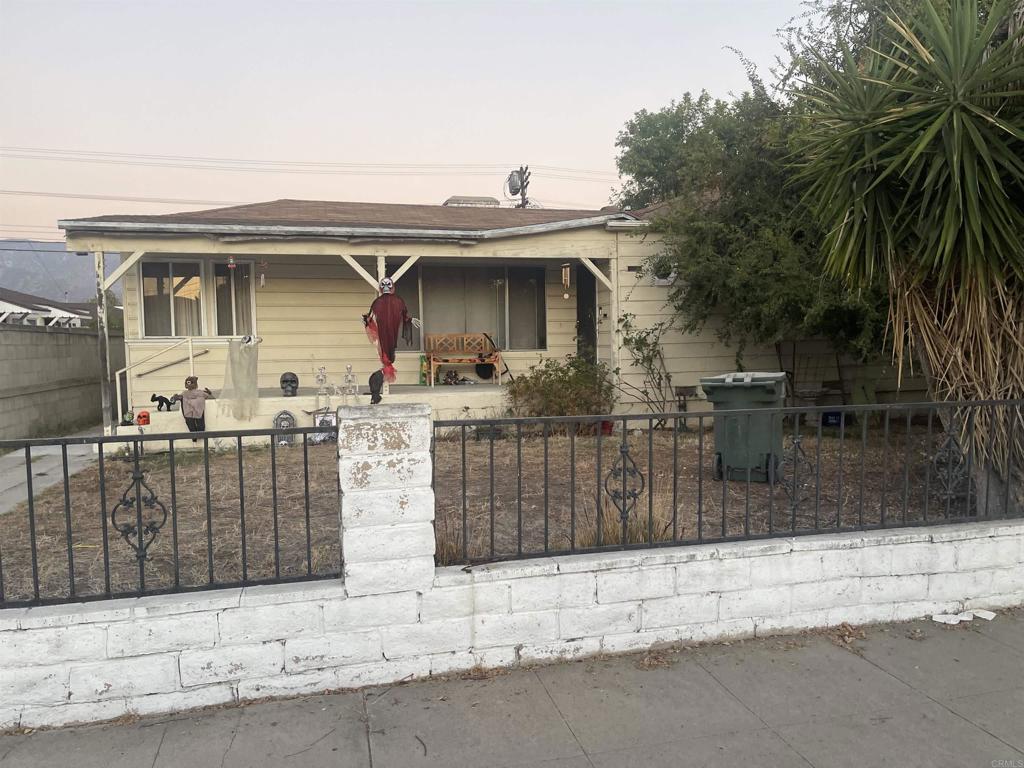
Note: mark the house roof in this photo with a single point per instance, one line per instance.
(38, 304)
(342, 218)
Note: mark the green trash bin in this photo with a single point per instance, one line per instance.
(747, 442)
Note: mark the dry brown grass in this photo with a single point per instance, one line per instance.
(680, 505)
(87, 520)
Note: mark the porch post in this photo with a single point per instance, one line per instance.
(613, 268)
(103, 341)
(382, 268)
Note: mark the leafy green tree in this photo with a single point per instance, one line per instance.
(660, 157)
(742, 244)
(913, 150)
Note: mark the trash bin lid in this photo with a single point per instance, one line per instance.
(743, 379)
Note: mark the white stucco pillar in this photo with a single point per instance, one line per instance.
(387, 503)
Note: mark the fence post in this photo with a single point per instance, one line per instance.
(387, 502)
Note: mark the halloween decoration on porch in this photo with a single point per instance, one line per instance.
(162, 403)
(284, 420)
(323, 394)
(289, 384)
(241, 392)
(328, 420)
(387, 317)
(349, 388)
(193, 404)
(142, 419)
(376, 386)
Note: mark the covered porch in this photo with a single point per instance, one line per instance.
(183, 307)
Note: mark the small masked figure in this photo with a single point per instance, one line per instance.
(193, 404)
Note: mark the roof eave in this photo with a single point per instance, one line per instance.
(136, 227)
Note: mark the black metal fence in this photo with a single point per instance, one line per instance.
(100, 517)
(523, 487)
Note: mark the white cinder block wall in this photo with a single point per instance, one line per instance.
(395, 617)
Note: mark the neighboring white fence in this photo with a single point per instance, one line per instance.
(395, 617)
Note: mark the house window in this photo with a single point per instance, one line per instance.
(527, 311)
(508, 304)
(171, 299)
(233, 294)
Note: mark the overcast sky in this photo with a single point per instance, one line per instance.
(397, 84)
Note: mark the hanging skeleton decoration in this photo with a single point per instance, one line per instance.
(386, 317)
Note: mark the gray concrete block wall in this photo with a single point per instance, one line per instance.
(50, 380)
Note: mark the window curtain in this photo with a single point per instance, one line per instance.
(187, 299)
(243, 299)
(156, 303)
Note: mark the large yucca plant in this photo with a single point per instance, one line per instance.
(914, 153)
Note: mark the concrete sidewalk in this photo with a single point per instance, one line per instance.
(915, 694)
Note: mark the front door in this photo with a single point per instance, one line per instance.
(586, 314)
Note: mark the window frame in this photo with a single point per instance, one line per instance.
(505, 268)
(252, 297)
(170, 297)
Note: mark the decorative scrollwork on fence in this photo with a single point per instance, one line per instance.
(151, 523)
(624, 483)
(952, 479)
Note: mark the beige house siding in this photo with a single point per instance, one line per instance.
(689, 357)
(308, 313)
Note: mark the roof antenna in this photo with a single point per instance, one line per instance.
(517, 182)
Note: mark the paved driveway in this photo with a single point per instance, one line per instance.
(47, 469)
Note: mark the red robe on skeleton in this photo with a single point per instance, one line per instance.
(387, 317)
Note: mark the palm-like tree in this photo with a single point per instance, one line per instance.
(914, 150)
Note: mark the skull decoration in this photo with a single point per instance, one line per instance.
(142, 419)
(289, 384)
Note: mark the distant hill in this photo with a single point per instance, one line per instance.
(46, 269)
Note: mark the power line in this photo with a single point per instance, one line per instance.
(81, 196)
(299, 163)
(278, 169)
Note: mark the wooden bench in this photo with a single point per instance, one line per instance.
(461, 349)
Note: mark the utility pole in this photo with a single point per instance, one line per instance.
(517, 182)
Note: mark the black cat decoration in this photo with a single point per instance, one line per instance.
(163, 403)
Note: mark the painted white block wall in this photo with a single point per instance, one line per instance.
(395, 617)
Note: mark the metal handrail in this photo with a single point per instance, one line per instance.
(175, 345)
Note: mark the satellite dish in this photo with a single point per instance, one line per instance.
(514, 182)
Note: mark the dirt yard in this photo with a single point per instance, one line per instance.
(838, 484)
(191, 519)
(886, 480)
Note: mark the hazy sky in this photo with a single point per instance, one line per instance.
(405, 84)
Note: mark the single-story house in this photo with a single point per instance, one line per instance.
(17, 308)
(299, 274)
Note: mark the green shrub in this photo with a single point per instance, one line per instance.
(569, 387)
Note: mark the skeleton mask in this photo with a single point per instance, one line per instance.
(289, 384)
(387, 285)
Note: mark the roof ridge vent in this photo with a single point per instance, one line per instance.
(471, 201)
